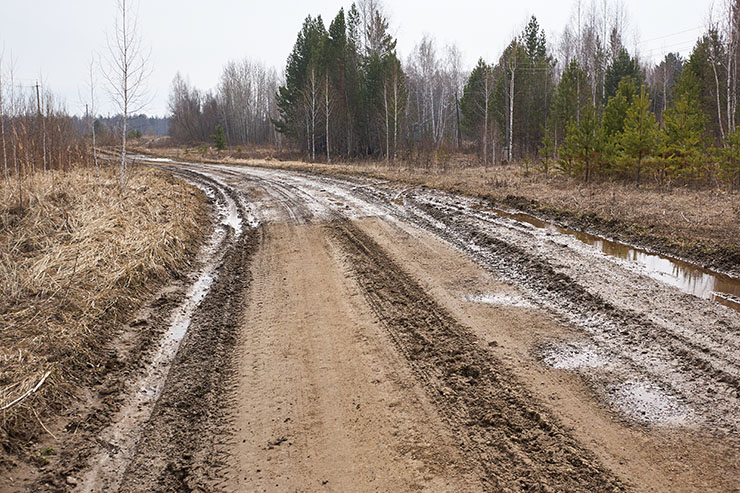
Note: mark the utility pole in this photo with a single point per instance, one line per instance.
(42, 120)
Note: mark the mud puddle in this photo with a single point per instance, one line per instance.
(498, 300)
(685, 276)
(121, 437)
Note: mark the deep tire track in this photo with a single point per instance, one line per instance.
(632, 329)
(178, 449)
(518, 444)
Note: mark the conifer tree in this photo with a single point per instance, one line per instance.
(219, 138)
(615, 112)
(622, 66)
(475, 105)
(641, 136)
(683, 140)
(566, 105)
(584, 145)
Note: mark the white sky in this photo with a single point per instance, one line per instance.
(55, 39)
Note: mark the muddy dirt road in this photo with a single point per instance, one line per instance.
(358, 336)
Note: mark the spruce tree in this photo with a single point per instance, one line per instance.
(219, 138)
(623, 66)
(567, 107)
(475, 105)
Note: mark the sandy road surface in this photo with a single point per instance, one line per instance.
(363, 337)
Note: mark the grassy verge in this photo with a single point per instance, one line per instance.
(699, 225)
(76, 259)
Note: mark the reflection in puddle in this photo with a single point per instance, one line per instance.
(687, 277)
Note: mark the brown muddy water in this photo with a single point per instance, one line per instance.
(687, 277)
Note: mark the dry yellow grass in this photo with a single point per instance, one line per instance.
(75, 258)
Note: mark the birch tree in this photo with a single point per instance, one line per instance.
(328, 107)
(93, 107)
(311, 102)
(2, 122)
(126, 69)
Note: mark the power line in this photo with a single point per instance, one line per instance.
(670, 48)
(671, 35)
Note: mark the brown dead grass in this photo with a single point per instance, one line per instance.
(75, 259)
(700, 224)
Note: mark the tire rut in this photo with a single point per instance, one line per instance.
(179, 445)
(517, 443)
(679, 355)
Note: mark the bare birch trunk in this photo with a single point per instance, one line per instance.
(485, 121)
(730, 53)
(387, 125)
(511, 113)
(395, 113)
(2, 127)
(313, 115)
(326, 100)
(719, 105)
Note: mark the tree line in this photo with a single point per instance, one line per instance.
(584, 106)
(243, 107)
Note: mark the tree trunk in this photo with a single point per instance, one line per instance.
(485, 121)
(313, 115)
(387, 128)
(730, 52)
(511, 114)
(395, 114)
(457, 124)
(2, 131)
(326, 100)
(719, 105)
(431, 108)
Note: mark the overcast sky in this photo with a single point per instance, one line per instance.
(55, 39)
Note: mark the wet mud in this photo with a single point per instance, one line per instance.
(655, 357)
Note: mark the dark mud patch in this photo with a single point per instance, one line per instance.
(77, 430)
(513, 439)
(178, 449)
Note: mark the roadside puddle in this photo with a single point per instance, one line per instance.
(683, 275)
(638, 400)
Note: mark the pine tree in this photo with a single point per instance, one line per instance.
(297, 99)
(683, 140)
(584, 146)
(615, 112)
(641, 136)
